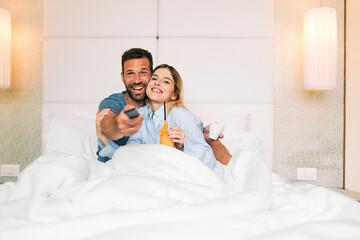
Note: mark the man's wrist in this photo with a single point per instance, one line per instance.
(220, 151)
(214, 142)
(110, 128)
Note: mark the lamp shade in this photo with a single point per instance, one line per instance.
(5, 48)
(320, 48)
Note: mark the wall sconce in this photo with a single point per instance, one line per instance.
(5, 48)
(320, 49)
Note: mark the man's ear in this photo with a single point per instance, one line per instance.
(122, 77)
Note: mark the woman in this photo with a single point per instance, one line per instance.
(166, 86)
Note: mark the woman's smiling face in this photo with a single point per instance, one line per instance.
(161, 87)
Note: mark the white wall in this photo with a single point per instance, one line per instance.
(352, 154)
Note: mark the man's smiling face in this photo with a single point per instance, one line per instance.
(136, 76)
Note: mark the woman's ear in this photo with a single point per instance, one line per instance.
(174, 97)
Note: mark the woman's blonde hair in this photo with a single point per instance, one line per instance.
(178, 89)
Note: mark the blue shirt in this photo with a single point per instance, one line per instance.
(117, 103)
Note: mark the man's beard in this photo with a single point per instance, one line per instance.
(136, 97)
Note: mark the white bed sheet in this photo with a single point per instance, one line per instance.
(166, 194)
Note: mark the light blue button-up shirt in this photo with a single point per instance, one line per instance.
(194, 144)
(149, 132)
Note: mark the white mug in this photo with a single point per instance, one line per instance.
(215, 130)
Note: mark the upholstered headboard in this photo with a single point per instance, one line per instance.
(222, 49)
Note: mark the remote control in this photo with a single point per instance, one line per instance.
(132, 113)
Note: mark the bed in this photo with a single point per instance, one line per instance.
(165, 194)
(154, 191)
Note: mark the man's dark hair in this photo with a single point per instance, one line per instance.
(134, 53)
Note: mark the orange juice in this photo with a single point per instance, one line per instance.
(164, 139)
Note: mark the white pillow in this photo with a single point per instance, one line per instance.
(234, 124)
(66, 137)
(245, 141)
(77, 133)
(76, 119)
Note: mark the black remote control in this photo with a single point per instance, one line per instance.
(132, 113)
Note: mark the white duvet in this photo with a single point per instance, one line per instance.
(157, 192)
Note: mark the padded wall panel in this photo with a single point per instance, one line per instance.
(216, 18)
(86, 70)
(100, 18)
(221, 70)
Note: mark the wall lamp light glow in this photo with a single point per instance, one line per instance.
(320, 49)
(5, 48)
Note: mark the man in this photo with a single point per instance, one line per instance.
(137, 67)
